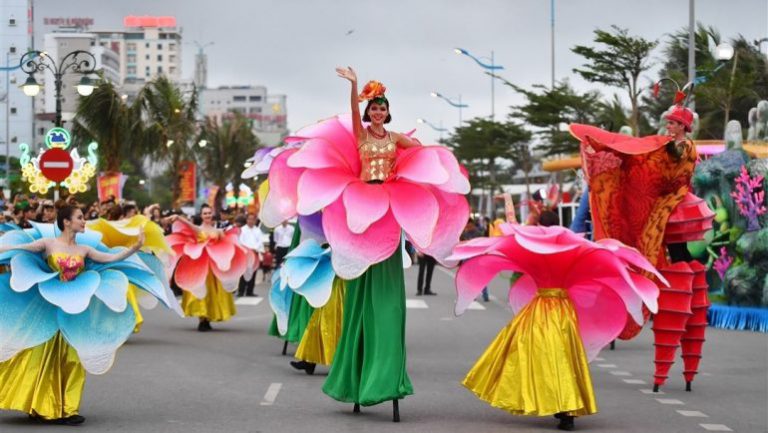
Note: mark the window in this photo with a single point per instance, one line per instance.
(146, 45)
(159, 69)
(14, 139)
(255, 98)
(171, 47)
(172, 58)
(255, 110)
(13, 110)
(131, 70)
(12, 22)
(159, 57)
(12, 80)
(131, 46)
(131, 58)
(159, 46)
(238, 98)
(12, 50)
(172, 70)
(40, 131)
(146, 57)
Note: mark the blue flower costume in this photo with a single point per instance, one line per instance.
(63, 315)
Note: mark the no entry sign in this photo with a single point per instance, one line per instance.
(56, 164)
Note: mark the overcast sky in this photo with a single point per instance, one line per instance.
(292, 46)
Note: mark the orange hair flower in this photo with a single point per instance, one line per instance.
(373, 89)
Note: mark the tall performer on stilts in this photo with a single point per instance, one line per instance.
(371, 185)
(208, 263)
(571, 297)
(64, 311)
(639, 192)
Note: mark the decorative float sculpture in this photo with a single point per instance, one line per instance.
(57, 166)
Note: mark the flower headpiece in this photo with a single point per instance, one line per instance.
(682, 95)
(373, 90)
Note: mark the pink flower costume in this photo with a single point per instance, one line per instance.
(369, 194)
(207, 270)
(571, 298)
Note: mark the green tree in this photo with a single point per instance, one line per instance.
(483, 145)
(619, 62)
(105, 118)
(229, 144)
(170, 122)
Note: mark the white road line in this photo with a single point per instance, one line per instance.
(271, 395)
(715, 427)
(621, 373)
(599, 359)
(669, 401)
(415, 304)
(475, 306)
(606, 365)
(650, 391)
(634, 381)
(695, 413)
(252, 301)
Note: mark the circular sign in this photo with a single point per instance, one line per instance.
(56, 164)
(57, 138)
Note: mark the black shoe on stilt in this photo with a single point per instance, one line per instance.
(204, 326)
(310, 368)
(356, 408)
(298, 365)
(655, 388)
(395, 411)
(285, 347)
(566, 422)
(688, 386)
(613, 345)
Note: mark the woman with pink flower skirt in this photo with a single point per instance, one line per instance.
(373, 186)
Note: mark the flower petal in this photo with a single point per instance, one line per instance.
(280, 301)
(318, 188)
(221, 253)
(26, 319)
(312, 227)
(28, 269)
(365, 204)
(453, 216)
(16, 237)
(317, 288)
(316, 153)
(337, 132)
(354, 253)
(231, 277)
(297, 270)
(457, 181)
(190, 275)
(280, 203)
(521, 292)
(113, 290)
(421, 165)
(601, 316)
(475, 274)
(96, 334)
(416, 210)
(73, 296)
(194, 249)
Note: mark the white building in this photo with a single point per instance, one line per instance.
(16, 108)
(268, 112)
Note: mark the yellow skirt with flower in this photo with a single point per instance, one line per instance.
(318, 345)
(537, 365)
(217, 306)
(46, 380)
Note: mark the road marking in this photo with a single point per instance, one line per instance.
(634, 381)
(669, 401)
(271, 395)
(248, 300)
(475, 306)
(650, 391)
(606, 365)
(621, 373)
(692, 413)
(599, 359)
(415, 304)
(715, 427)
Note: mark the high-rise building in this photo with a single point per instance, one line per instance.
(17, 114)
(268, 112)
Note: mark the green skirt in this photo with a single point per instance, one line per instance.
(369, 365)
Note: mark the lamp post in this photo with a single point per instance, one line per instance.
(458, 105)
(439, 129)
(79, 61)
(492, 67)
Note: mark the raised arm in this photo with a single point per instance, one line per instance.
(101, 257)
(349, 74)
(186, 222)
(37, 246)
(405, 141)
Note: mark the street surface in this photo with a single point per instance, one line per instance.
(170, 378)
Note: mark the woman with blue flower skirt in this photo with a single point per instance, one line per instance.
(63, 311)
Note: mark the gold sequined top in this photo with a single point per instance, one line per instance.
(377, 156)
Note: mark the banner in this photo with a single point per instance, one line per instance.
(110, 184)
(187, 182)
(212, 191)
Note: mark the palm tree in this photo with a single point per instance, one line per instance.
(104, 117)
(169, 117)
(228, 145)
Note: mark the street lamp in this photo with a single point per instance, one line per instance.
(724, 52)
(458, 105)
(488, 67)
(79, 61)
(439, 129)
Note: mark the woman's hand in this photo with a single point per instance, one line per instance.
(347, 73)
(140, 240)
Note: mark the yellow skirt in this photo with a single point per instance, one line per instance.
(134, 303)
(45, 380)
(217, 306)
(318, 345)
(537, 365)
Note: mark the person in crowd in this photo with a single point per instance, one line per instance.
(251, 239)
(283, 237)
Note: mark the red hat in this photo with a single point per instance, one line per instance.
(682, 115)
